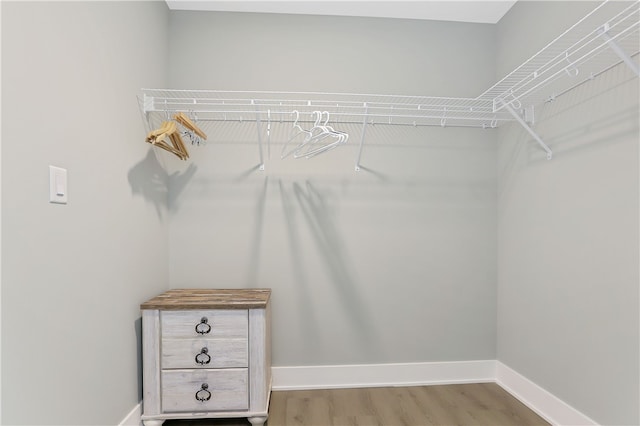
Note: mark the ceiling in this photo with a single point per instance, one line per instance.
(479, 11)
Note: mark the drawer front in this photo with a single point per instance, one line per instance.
(226, 324)
(205, 353)
(205, 390)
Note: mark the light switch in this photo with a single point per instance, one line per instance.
(57, 185)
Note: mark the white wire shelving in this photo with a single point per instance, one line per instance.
(604, 38)
(216, 105)
(263, 107)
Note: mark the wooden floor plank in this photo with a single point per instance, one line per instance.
(479, 404)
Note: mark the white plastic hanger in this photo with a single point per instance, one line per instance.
(316, 144)
(296, 133)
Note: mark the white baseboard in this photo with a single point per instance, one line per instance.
(373, 375)
(133, 418)
(544, 403)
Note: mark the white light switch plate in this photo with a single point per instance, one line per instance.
(57, 185)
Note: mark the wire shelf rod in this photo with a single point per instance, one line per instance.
(461, 103)
(165, 103)
(486, 125)
(511, 96)
(387, 112)
(563, 59)
(594, 36)
(488, 117)
(525, 68)
(203, 95)
(592, 76)
(621, 26)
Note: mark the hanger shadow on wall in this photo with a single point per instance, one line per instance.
(606, 96)
(614, 122)
(306, 210)
(149, 180)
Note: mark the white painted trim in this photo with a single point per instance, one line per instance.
(134, 418)
(471, 11)
(374, 375)
(541, 401)
(544, 403)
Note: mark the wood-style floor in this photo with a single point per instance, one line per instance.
(485, 404)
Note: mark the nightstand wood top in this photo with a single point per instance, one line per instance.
(186, 298)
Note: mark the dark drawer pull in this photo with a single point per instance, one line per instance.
(203, 394)
(203, 327)
(203, 357)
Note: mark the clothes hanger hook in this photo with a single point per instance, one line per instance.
(327, 120)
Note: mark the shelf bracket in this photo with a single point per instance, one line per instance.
(528, 113)
(147, 107)
(604, 33)
(527, 128)
(147, 103)
(364, 128)
(259, 125)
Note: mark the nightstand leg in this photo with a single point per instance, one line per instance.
(152, 422)
(257, 421)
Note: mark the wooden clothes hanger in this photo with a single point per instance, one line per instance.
(186, 122)
(168, 130)
(177, 142)
(163, 132)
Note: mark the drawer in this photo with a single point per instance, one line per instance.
(212, 353)
(205, 390)
(228, 324)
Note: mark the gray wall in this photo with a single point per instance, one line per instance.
(396, 263)
(568, 232)
(252, 51)
(73, 276)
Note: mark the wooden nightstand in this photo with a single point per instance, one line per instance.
(206, 354)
